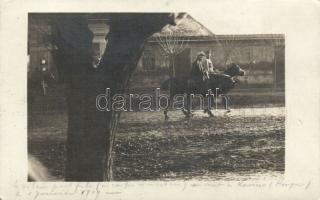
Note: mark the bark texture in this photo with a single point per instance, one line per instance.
(91, 132)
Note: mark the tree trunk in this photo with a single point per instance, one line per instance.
(172, 66)
(91, 132)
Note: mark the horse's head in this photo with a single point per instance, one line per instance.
(234, 70)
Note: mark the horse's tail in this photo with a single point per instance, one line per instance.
(166, 84)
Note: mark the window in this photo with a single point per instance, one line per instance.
(148, 60)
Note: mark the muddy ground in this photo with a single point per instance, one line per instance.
(247, 143)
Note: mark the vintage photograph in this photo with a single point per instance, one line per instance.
(152, 97)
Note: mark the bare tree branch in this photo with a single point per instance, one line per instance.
(171, 44)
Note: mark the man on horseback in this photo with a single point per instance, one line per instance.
(200, 71)
(208, 64)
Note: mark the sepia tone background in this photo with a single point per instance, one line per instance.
(302, 149)
(245, 144)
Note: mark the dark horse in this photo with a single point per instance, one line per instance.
(219, 84)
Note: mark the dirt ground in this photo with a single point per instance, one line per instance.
(248, 143)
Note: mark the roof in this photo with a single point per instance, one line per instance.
(188, 27)
(250, 37)
(218, 38)
(190, 30)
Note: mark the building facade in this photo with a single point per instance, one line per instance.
(262, 56)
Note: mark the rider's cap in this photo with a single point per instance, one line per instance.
(201, 53)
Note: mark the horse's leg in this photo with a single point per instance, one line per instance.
(226, 103)
(205, 92)
(189, 105)
(208, 110)
(165, 112)
(210, 113)
(187, 112)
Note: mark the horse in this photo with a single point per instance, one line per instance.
(220, 84)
